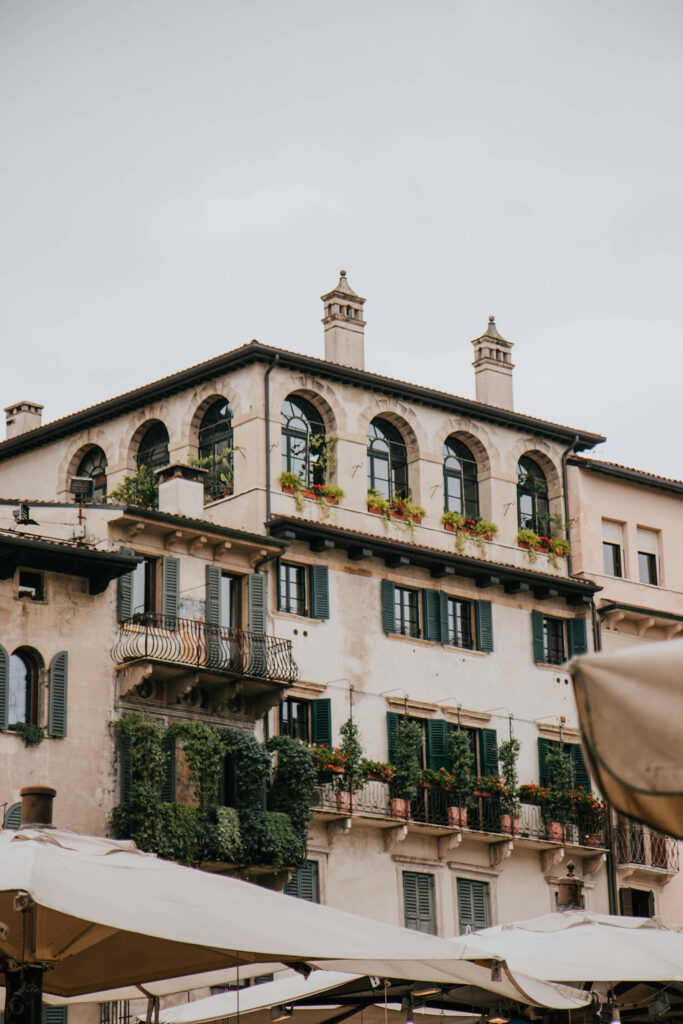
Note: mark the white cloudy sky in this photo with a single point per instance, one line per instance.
(180, 176)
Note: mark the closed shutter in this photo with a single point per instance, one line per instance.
(13, 817)
(304, 882)
(54, 1014)
(170, 591)
(57, 697)
(537, 634)
(212, 615)
(125, 769)
(483, 619)
(256, 599)
(543, 748)
(431, 615)
(650, 904)
(392, 735)
(576, 636)
(473, 904)
(418, 901)
(4, 687)
(626, 902)
(437, 744)
(488, 751)
(579, 769)
(321, 722)
(388, 614)
(168, 785)
(319, 585)
(443, 615)
(125, 592)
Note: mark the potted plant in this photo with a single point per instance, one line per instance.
(292, 484)
(377, 503)
(476, 530)
(406, 778)
(377, 771)
(460, 796)
(508, 753)
(351, 778)
(559, 804)
(590, 814)
(327, 759)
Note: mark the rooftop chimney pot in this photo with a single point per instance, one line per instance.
(21, 417)
(36, 806)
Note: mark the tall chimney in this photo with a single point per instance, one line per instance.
(344, 325)
(181, 490)
(36, 806)
(493, 368)
(22, 416)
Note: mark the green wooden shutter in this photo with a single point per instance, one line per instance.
(651, 903)
(392, 735)
(170, 591)
(304, 882)
(212, 615)
(13, 817)
(576, 637)
(4, 687)
(321, 722)
(437, 744)
(626, 902)
(125, 769)
(418, 901)
(537, 634)
(431, 615)
(443, 615)
(125, 591)
(483, 619)
(473, 904)
(256, 600)
(543, 748)
(319, 587)
(579, 769)
(488, 751)
(54, 1014)
(168, 784)
(388, 613)
(57, 697)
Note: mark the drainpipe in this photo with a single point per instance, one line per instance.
(266, 387)
(565, 456)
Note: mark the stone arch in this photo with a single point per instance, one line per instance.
(319, 403)
(72, 463)
(199, 401)
(531, 448)
(137, 436)
(401, 417)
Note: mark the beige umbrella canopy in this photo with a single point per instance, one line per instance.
(631, 712)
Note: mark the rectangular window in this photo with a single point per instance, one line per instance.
(144, 595)
(473, 905)
(636, 903)
(460, 623)
(295, 716)
(229, 604)
(418, 902)
(31, 585)
(553, 641)
(611, 557)
(406, 616)
(305, 883)
(648, 549)
(292, 589)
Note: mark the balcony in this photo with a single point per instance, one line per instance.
(183, 654)
(645, 850)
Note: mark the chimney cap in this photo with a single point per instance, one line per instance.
(36, 806)
(492, 333)
(343, 288)
(16, 406)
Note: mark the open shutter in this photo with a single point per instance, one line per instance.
(437, 744)
(125, 769)
(319, 586)
(168, 784)
(650, 904)
(537, 634)
(576, 637)
(59, 674)
(488, 751)
(431, 615)
(13, 817)
(543, 748)
(125, 593)
(443, 615)
(388, 614)
(392, 735)
(483, 619)
(626, 902)
(579, 769)
(212, 615)
(256, 599)
(321, 722)
(4, 687)
(170, 591)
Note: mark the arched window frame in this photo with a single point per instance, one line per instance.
(387, 460)
(533, 507)
(153, 447)
(460, 484)
(94, 464)
(216, 448)
(301, 425)
(23, 692)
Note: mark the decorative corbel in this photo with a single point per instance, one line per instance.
(393, 836)
(551, 858)
(446, 844)
(591, 865)
(498, 852)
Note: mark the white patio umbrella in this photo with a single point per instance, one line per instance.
(99, 914)
(630, 707)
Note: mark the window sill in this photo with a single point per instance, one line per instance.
(470, 652)
(299, 617)
(557, 669)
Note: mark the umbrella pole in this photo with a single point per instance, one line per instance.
(24, 995)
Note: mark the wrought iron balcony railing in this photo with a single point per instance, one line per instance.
(191, 642)
(637, 844)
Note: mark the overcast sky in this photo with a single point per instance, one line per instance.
(181, 176)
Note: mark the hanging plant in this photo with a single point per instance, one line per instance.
(32, 735)
(468, 530)
(403, 511)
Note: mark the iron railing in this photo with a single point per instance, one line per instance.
(197, 644)
(430, 807)
(637, 844)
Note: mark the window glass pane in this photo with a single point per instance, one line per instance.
(647, 567)
(139, 589)
(611, 559)
(19, 708)
(292, 589)
(553, 641)
(459, 623)
(228, 601)
(406, 612)
(294, 719)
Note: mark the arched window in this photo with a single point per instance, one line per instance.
(23, 688)
(533, 511)
(215, 447)
(94, 465)
(387, 460)
(153, 448)
(301, 425)
(460, 491)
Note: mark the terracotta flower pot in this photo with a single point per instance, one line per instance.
(287, 490)
(555, 832)
(400, 808)
(417, 520)
(308, 492)
(336, 769)
(509, 824)
(375, 509)
(345, 802)
(450, 527)
(331, 500)
(457, 816)
(593, 839)
(523, 544)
